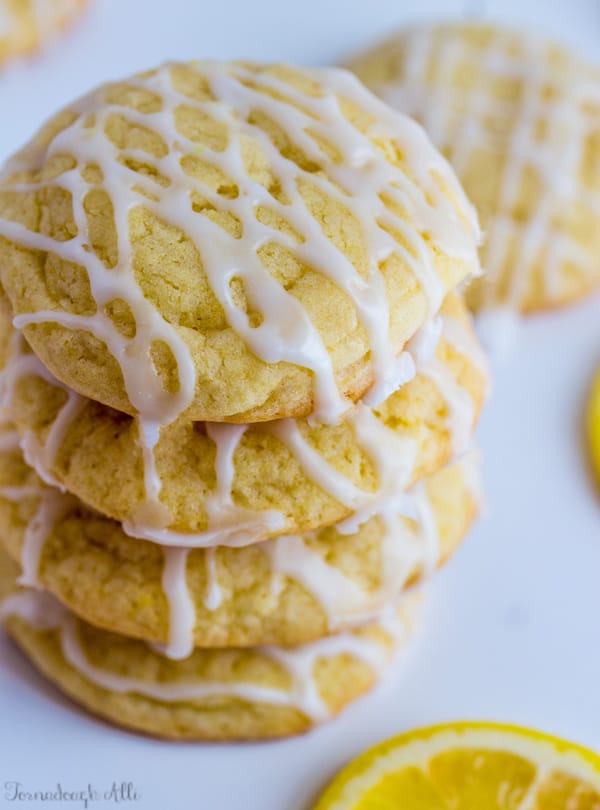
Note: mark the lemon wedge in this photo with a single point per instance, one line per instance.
(469, 766)
(593, 425)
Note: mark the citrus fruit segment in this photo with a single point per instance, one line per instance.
(593, 425)
(469, 766)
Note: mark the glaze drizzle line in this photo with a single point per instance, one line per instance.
(461, 121)
(359, 181)
(392, 455)
(43, 612)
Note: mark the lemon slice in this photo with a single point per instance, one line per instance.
(593, 425)
(469, 766)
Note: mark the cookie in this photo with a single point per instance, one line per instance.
(519, 119)
(212, 695)
(289, 590)
(203, 484)
(27, 25)
(230, 242)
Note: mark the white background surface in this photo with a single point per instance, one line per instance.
(511, 631)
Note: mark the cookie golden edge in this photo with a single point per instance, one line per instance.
(117, 583)
(278, 703)
(99, 458)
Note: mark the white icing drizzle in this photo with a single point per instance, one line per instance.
(313, 464)
(399, 373)
(38, 608)
(9, 439)
(459, 405)
(300, 662)
(411, 610)
(20, 493)
(462, 338)
(152, 512)
(419, 350)
(429, 539)
(39, 455)
(228, 523)
(182, 611)
(51, 510)
(339, 595)
(43, 612)
(221, 510)
(286, 332)
(52, 506)
(213, 598)
(423, 344)
(343, 600)
(460, 122)
(404, 551)
(392, 456)
(253, 530)
(471, 468)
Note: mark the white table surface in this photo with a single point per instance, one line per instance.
(511, 631)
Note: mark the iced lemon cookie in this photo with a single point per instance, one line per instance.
(289, 590)
(205, 484)
(212, 695)
(519, 119)
(26, 25)
(230, 241)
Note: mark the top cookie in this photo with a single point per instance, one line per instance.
(519, 119)
(26, 24)
(234, 242)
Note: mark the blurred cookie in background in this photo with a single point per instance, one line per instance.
(27, 25)
(519, 119)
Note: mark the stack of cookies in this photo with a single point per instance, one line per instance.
(239, 394)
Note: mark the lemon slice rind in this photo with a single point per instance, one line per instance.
(415, 748)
